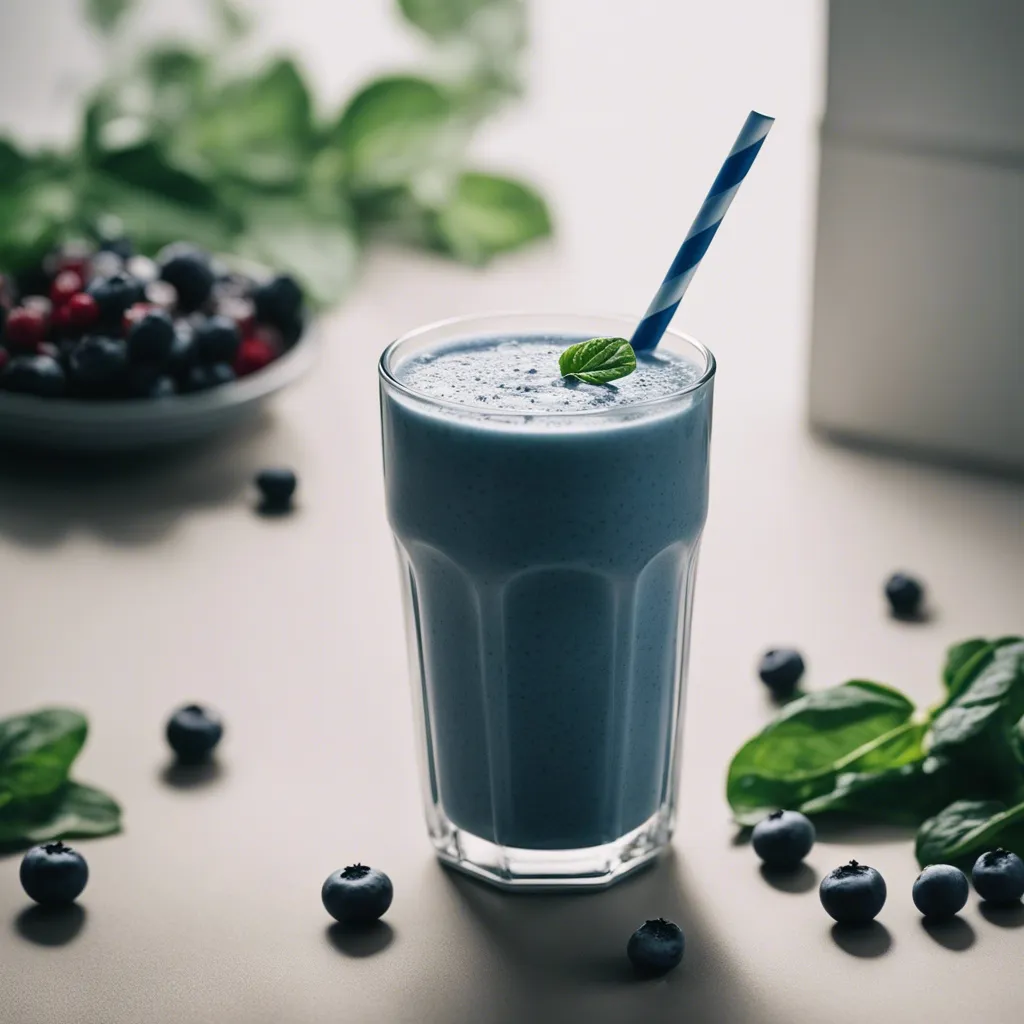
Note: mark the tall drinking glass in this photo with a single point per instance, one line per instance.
(547, 557)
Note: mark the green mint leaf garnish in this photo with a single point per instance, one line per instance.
(598, 360)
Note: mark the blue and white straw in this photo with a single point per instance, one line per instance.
(691, 252)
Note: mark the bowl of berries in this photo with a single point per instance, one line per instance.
(104, 350)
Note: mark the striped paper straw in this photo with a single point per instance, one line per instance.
(702, 230)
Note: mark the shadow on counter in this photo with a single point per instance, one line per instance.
(129, 500)
(569, 950)
(50, 926)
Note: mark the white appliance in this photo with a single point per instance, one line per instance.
(918, 324)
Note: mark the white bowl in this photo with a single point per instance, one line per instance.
(99, 427)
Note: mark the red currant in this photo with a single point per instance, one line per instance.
(242, 311)
(25, 328)
(133, 314)
(82, 310)
(60, 321)
(65, 284)
(253, 354)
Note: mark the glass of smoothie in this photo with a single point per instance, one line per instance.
(547, 535)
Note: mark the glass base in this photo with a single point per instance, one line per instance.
(595, 867)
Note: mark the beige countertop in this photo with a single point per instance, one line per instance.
(129, 589)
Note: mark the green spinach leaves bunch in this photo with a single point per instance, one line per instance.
(38, 801)
(183, 142)
(862, 750)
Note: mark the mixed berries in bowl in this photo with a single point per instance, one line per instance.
(107, 325)
(103, 349)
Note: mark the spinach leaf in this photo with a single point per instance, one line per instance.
(966, 828)
(12, 163)
(903, 795)
(977, 727)
(146, 167)
(966, 660)
(73, 811)
(104, 15)
(34, 214)
(442, 18)
(856, 726)
(312, 237)
(36, 752)
(394, 129)
(487, 215)
(256, 130)
(152, 220)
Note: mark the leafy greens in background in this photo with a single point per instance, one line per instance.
(38, 801)
(863, 750)
(243, 163)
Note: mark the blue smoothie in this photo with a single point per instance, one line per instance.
(548, 533)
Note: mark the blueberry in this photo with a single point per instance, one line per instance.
(163, 387)
(277, 486)
(357, 895)
(853, 894)
(105, 264)
(114, 294)
(54, 874)
(146, 380)
(941, 891)
(151, 337)
(217, 340)
(203, 377)
(143, 269)
(34, 375)
(97, 364)
(188, 269)
(182, 354)
(656, 947)
(279, 301)
(998, 877)
(904, 594)
(780, 670)
(193, 731)
(783, 839)
(121, 247)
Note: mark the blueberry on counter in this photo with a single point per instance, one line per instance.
(193, 731)
(277, 487)
(357, 895)
(34, 375)
(217, 340)
(853, 893)
(151, 337)
(998, 877)
(905, 595)
(940, 891)
(279, 301)
(188, 269)
(54, 874)
(783, 839)
(656, 947)
(780, 670)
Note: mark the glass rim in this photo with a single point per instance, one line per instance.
(469, 319)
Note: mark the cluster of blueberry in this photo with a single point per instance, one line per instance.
(855, 893)
(106, 323)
